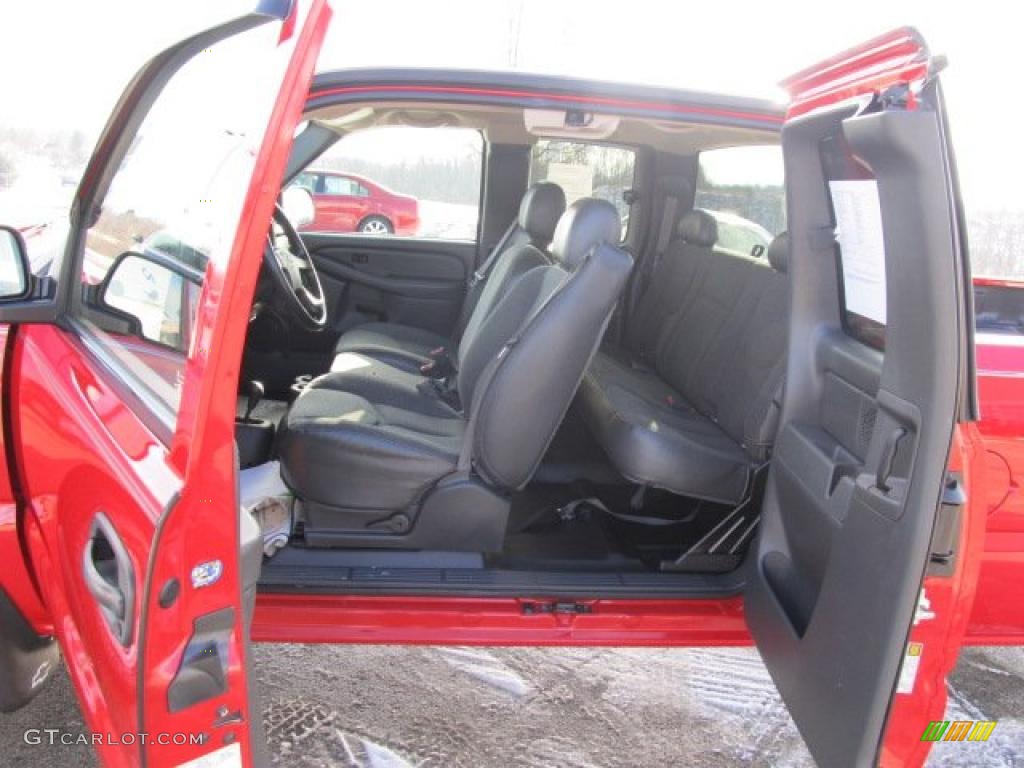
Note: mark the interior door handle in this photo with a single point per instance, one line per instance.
(888, 459)
(110, 577)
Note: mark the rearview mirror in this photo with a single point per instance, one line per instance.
(14, 275)
(297, 204)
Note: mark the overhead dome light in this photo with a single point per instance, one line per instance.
(572, 123)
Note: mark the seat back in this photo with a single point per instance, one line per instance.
(741, 380)
(726, 353)
(671, 282)
(521, 368)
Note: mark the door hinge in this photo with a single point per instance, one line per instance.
(946, 535)
(556, 606)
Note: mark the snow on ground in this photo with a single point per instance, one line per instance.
(39, 194)
(397, 707)
(405, 707)
(449, 221)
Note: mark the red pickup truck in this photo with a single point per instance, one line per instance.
(589, 425)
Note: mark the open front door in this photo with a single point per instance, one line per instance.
(122, 407)
(877, 381)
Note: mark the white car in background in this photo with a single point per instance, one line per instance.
(740, 235)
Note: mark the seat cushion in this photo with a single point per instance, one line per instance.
(384, 384)
(655, 437)
(340, 449)
(403, 346)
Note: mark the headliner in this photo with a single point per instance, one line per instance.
(494, 102)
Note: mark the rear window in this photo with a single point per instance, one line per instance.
(742, 187)
(586, 170)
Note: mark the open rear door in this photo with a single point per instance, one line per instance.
(877, 381)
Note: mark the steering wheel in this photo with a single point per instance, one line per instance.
(292, 267)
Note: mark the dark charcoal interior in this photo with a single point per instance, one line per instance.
(596, 414)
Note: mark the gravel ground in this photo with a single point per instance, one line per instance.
(394, 707)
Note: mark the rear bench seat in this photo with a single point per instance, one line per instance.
(691, 403)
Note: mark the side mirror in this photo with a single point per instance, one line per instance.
(153, 295)
(15, 281)
(297, 204)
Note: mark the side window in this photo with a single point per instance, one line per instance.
(742, 187)
(343, 185)
(410, 182)
(307, 181)
(171, 209)
(586, 170)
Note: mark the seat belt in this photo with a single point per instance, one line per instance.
(481, 273)
(668, 219)
(650, 263)
(475, 285)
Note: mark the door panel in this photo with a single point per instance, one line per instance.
(398, 280)
(869, 409)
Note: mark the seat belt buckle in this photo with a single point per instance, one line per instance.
(439, 366)
(445, 387)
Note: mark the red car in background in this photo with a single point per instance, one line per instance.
(345, 202)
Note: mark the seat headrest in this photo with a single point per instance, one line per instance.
(778, 253)
(539, 212)
(586, 223)
(698, 228)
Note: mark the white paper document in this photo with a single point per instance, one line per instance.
(859, 231)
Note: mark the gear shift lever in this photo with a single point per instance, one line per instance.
(254, 391)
